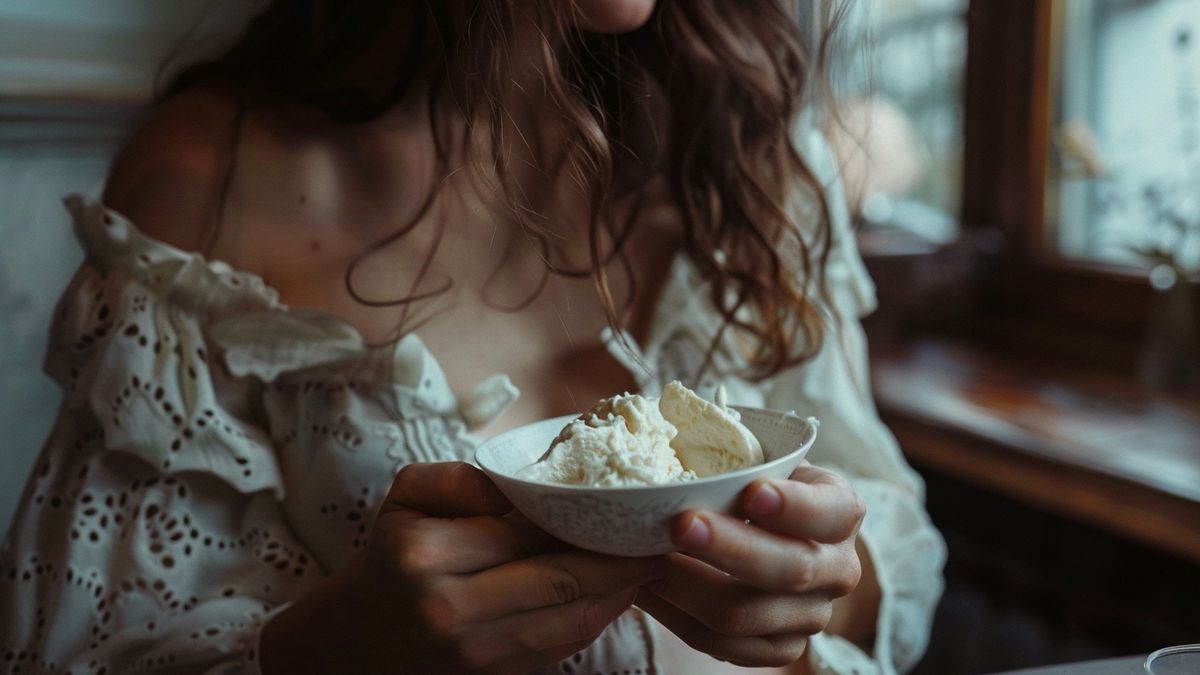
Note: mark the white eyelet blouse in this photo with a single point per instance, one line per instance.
(217, 453)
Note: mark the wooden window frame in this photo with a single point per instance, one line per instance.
(1031, 299)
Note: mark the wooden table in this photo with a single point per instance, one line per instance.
(1093, 447)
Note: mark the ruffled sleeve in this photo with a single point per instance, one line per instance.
(908, 553)
(149, 536)
(129, 346)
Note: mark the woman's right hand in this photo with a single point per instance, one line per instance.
(448, 583)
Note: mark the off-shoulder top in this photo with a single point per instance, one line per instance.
(217, 453)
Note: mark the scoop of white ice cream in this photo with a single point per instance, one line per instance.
(622, 441)
(711, 437)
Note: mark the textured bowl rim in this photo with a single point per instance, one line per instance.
(806, 444)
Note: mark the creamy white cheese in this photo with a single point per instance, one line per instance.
(711, 437)
(634, 440)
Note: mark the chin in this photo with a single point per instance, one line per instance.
(613, 16)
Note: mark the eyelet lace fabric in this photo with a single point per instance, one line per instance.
(217, 454)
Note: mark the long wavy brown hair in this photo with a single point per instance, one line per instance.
(706, 95)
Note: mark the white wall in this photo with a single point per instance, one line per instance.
(37, 256)
(64, 49)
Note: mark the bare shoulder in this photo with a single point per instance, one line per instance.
(167, 177)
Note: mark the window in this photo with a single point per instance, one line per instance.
(1124, 172)
(1051, 256)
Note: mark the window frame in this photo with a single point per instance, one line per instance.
(1027, 291)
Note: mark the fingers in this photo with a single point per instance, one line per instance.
(529, 636)
(756, 651)
(730, 607)
(441, 518)
(420, 548)
(445, 490)
(533, 583)
(764, 559)
(815, 504)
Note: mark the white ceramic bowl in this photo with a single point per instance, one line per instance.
(634, 521)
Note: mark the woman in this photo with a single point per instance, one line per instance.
(255, 463)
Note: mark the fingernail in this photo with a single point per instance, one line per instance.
(697, 534)
(765, 501)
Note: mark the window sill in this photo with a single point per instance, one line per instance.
(1097, 447)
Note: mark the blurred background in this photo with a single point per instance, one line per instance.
(1025, 178)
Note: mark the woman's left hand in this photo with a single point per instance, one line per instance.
(752, 593)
